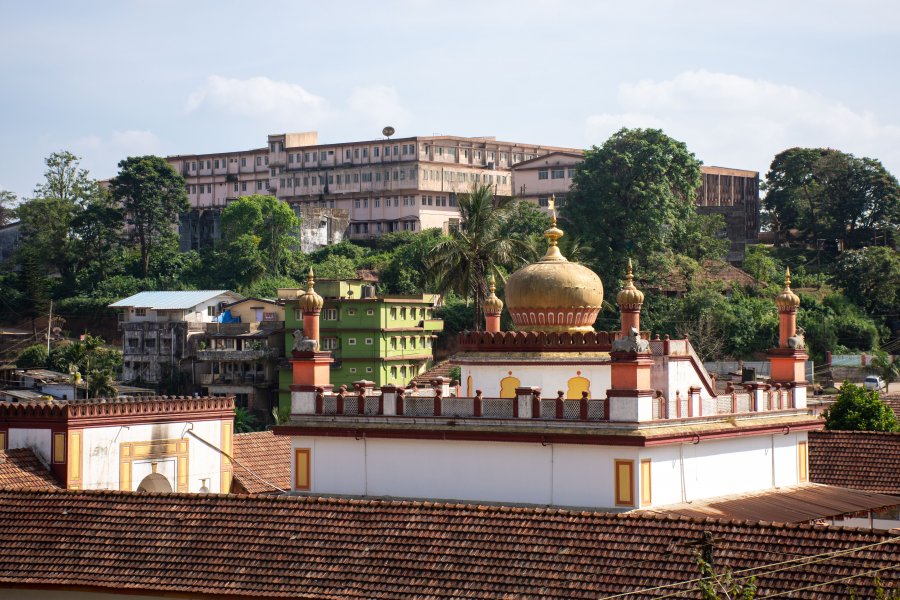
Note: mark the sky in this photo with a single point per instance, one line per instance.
(736, 81)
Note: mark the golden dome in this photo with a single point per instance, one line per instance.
(629, 296)
(493, 305)
(311, 302)
(554, 294)
(787, 300)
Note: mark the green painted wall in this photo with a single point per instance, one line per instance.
(382, 339)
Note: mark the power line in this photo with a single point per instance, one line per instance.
(815, 585)
(803, 561)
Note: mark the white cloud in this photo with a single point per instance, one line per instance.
(740, 122)
(259, 98)
(100, 154)
(379, 105)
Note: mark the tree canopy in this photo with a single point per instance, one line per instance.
(859, 409)
(263, 225)
(152, 195)
(827, 194)
(631, 197)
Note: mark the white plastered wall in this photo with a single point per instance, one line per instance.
(39, 440)
(101, 453)
(549, 377)
(579, 475)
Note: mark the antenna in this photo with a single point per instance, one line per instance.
(388, 131)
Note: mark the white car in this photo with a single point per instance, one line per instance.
(874, 382)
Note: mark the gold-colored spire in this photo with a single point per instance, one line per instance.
(629, 295)
(787, 300)
(493, 305)
(311, 301)
(553, 234)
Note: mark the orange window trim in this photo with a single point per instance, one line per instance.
(302, 479)
(646, 497)
(59, 448)
(624, 482)
(802, 462)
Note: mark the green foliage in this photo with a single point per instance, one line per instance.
(724, 585)
(871, 278)
(404, 270)
(456, 373)
(859, 409)
(152, 195)
(96, 362)
(631, 198)
(7, 206)
(267, 287)
(244, 420)
(760, 263)
(269, 223)
(828, 194)
(885, 366)
(701, 237)
(280, 414)
(457, 315)
(463, 261)
(32, 357)
(335, 266)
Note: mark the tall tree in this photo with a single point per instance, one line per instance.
(871, 278)
(463, 261)
(268, 221)
(859, 409)
(828, 194)
(7, 206)
(153, 195)
(630, 198)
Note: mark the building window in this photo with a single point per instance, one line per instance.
(369, 341)
(571, 172)
(140, 312)
(558, 173)
(329, 314)
(542, 174)
(368, 369)
(544, 201)
(802, 462)
(393, 372)
(351, 312)
(624, 482)
(370, 311)
(353, 369)
(393, 312)
(351, 341)
(646, 497)
(412, 342)
(329, 343)
(302, 479)
(403, 313)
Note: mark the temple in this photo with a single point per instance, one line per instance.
(554, 412)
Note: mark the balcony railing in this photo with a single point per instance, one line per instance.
(231, 355)
(233, 379)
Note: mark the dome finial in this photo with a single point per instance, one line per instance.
(493, 305)
(311, 301)
(629, 295)
(553, 234)
(787, 300)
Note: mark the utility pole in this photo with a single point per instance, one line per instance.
(49, 322)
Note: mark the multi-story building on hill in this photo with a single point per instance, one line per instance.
(158, 326)
(378, 338)
(403, 184)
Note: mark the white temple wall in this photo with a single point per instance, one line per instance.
(550, 378)
(101, 454)
(39, 440)
(579, 475)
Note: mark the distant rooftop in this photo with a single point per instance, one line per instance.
(164, 300)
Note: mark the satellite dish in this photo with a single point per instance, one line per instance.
(388, 131)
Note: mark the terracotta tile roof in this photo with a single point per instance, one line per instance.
(289, 546)
(265, 455)
(862, 460)
(803, 503)
(20, 469)
(892, 400)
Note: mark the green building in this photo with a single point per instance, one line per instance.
(385, 339)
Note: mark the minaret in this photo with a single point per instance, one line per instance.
(631, 396)
(493, 306)
(311, 305)
(788, 360)
(311, 367)
(630, 300)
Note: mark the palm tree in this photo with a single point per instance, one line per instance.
(463, 261)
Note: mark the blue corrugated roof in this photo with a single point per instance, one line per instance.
(171, 300)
